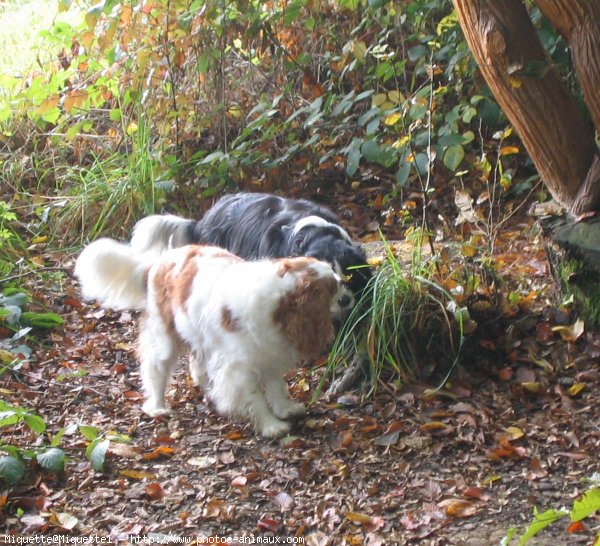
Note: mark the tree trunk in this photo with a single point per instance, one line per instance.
(532, 94)
(578, 22)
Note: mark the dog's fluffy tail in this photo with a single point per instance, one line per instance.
(158, 233)
(111, 273)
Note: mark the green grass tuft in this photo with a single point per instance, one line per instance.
(402, 327)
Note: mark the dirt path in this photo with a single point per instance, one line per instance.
(404, 467)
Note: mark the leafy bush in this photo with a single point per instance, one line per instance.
(49, 457)
(12, 465)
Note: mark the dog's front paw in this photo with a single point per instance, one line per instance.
(293, 410)
(154, 411)
(275, 429)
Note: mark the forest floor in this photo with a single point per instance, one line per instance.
(517, 427)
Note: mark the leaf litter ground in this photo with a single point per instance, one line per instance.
(517, 427)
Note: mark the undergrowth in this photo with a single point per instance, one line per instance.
(407, 326)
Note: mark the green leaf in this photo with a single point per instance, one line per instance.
(422, 163)
(41, 320)
(35, 423)
(402, 173)
(540, 522)
(63, 5)
(89, 433)
(454, 156)
(11, 469)
(98, 454)
(371, 150)
(417, 52)
(8, 418)
(58, 437)
(52, 459)
(451, 139)
(354, 155)
(586, 505)
(292, 11)
(352, 5)
(509, 536)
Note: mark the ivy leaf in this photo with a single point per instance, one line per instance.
(52, 459)
(11, 469)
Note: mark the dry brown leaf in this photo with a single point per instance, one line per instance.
(155, 491)
(137, 474)
(459, 508)
(284, 501)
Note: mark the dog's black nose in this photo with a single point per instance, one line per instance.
(345, 301)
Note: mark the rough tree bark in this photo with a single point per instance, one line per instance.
(578, 22)
(537, 102)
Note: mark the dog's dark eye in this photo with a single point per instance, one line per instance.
(345, 301)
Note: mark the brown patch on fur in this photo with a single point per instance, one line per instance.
(229, 323)
(162, 283)
(304, 315)
(182, 283)
(294, 265)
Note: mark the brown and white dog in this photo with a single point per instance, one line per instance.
(245, 324)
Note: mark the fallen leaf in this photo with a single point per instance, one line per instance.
(358, 517)
(154, 491)
(227, 457)
(234, 435)
(239, 481)
(432, 426)
(571, 333)
(160, 451)
(459, 508)
(544, 332)
(389, 439)
(268, 524)
(137, 474)
(536, 470)
(213, 508)
(515, 433)
(478, 493)
(576, 527)
(202, 462)
(283, 501)
(63, 520)
(124, 450)
(575, 389)
(532, 386)
(347, 438)
(491, 479)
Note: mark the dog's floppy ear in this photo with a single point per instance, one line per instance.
(304, 314)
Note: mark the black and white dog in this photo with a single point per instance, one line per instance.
(259, 225)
